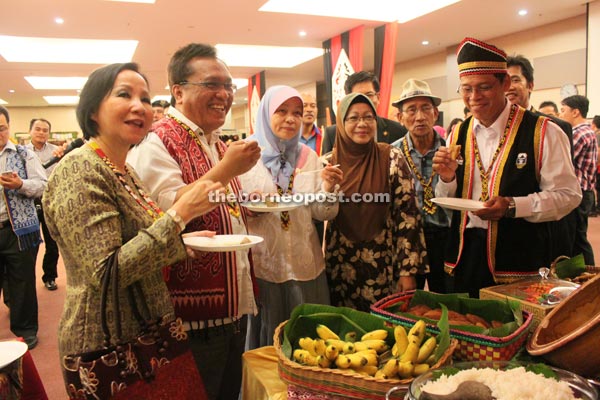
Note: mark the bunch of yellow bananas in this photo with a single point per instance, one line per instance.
(329, 351)
(412, 354)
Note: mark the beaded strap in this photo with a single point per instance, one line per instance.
(154, 211)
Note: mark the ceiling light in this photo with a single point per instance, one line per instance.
(11, 90)
(522, 12)
(56, 82)
(239, 55)
(378, 10)
(425, 42)
(302, 33)
(72, 51)
(61, 100)
(3, 101)
(59, 20)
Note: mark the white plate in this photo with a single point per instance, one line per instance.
(221, 242)
(454, 203)
(11, 351)
(264, 208)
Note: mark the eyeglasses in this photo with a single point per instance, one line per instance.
(213, 86)
(412, 111)
(355, 119)
(484, 88)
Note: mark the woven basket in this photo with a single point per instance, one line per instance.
(339, 382)
(471, 346)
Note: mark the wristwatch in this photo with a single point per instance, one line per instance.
(512, 208)
(178, 220)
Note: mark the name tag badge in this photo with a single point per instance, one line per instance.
(521, 160)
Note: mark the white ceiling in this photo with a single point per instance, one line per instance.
(163, 27)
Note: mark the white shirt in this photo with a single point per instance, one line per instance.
(45, 154)
(162, 176)
(294, 254)
(560, 190)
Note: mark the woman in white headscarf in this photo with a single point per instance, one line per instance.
(289, 264)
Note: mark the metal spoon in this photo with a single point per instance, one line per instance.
(467, 390)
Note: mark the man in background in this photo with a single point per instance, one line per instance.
(520, 71)
(22, 179)
(596, 128)
(574, 110)
(364, 82)
(417, 110)
(159, 107)
(213, 292)
(549, 108)
(311, 135)
(39, 131)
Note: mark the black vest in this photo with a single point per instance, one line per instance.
(516, 248)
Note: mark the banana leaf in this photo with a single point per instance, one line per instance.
(508, 312)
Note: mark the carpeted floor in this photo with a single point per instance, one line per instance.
(50, 309)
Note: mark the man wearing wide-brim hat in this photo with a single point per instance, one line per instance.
(418, 112)
(516, 163)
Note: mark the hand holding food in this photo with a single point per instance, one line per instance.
(444, 165)
(331, 175)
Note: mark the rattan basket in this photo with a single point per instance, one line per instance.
(338, 382)
(471, 346)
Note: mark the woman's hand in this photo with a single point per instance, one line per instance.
(331, 176)
(407, 283)
(196, 253)
(202, 197)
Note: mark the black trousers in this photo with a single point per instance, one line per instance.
(582, 245)
(437, 280)
(17, 277)
(472, 272)
(51, 255)
(218, 354)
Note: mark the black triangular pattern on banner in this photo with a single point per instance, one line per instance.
(328, 73)
(378, 53)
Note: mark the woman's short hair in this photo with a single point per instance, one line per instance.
(97, 87)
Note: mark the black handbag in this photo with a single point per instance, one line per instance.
(157, 364)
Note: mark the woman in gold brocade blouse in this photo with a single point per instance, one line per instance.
(95, 204)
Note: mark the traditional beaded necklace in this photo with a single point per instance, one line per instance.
(482, 172)
(232, 206)
(153, 210)
(428, 206)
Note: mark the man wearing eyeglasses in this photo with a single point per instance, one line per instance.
(365, 82)
(516, 164)
(417, 109)
(213, 292)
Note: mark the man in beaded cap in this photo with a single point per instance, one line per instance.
(516, 163)
(418, 111)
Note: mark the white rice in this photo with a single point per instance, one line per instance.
(512, 384)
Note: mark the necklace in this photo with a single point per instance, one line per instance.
(148, 204)
(285, 215)
(485, 174)
(232, 206)
(428, 206)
